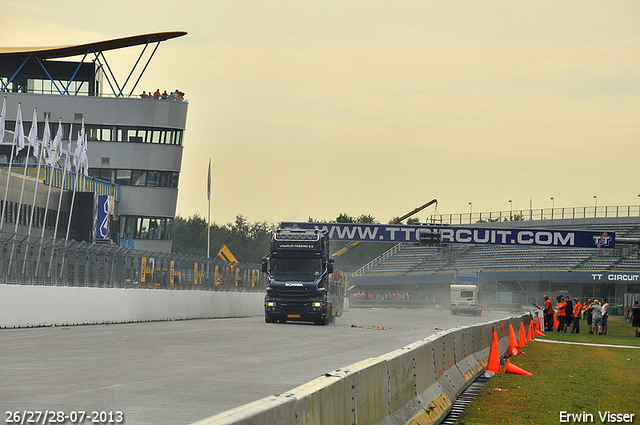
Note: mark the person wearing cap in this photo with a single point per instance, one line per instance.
(577, 312)
(548, 314)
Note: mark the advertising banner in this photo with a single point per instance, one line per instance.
(463, 235)
(103, 221)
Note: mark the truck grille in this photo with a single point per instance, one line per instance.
(294, 293)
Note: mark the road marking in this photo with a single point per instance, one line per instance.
(589, 344)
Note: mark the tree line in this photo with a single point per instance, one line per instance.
(249, 242)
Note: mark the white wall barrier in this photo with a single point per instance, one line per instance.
(414, 384)
(29, 305)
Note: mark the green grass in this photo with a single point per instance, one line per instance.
(570, 378)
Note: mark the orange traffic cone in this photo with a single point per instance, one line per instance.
(530, 332)
(494, 355)
(538, 329)
(513, 348)
(511, 368)
(522, 341)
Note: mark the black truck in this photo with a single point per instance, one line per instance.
(300, 285)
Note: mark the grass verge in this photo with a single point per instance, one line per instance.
(575, 379)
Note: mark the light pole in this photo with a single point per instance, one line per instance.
(510, 210)
(470, 211)
(595, 212)
(553, 205)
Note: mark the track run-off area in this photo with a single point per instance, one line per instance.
(179, 372)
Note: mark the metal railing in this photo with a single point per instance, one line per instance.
(31, 260)
(537, 214)
(57, 177)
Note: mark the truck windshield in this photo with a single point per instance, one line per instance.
(304, 269)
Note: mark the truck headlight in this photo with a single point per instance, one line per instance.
(271, 303)
(317, 304)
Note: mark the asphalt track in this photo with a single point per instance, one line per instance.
(184, 371)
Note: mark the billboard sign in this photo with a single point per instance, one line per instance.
(463, 235)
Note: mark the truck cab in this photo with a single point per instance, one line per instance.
(298, 268)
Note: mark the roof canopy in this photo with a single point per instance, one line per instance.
(56, 52)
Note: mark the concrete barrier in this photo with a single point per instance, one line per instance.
(29, 305)
(414, 384)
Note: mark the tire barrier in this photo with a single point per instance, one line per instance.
(416, 384)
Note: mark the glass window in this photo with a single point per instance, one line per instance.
(164, 179)
(132, 136)
(107, 175)
(153, 178)
(106, 134)
(123, 177)
(138, 178)
(174, 180)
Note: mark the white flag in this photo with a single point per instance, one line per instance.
(46, 141)
(19, 133)
(3, 118)
(33, 133)
(209, 182)
(85, 157)
(77, 154)
(67, 161)
(57, 143)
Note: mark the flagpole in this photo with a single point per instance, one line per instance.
(35, 190)
(67, 164)
(52, 170)
(209, 210)
(18, 134)
(73, 197)
(26, 162)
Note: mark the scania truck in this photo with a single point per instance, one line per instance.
(298, 268)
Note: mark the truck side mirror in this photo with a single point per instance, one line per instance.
(330, 265)
(265, 264)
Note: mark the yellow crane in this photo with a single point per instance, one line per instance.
(396, 221)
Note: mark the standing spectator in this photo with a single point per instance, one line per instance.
(596, 320)
(605, 315)
(586, 311)
(562, 309)
(156, 94)
(548, 314)
(635, 317)
(577, 312)
(568, 316)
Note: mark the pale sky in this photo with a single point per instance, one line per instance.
(316, 108)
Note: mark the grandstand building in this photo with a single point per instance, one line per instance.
(518, 275)
(134, 147)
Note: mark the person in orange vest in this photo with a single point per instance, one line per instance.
(562, 315)
(548, 314)
(577, 312)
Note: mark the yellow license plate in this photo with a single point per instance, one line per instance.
(293, 316)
